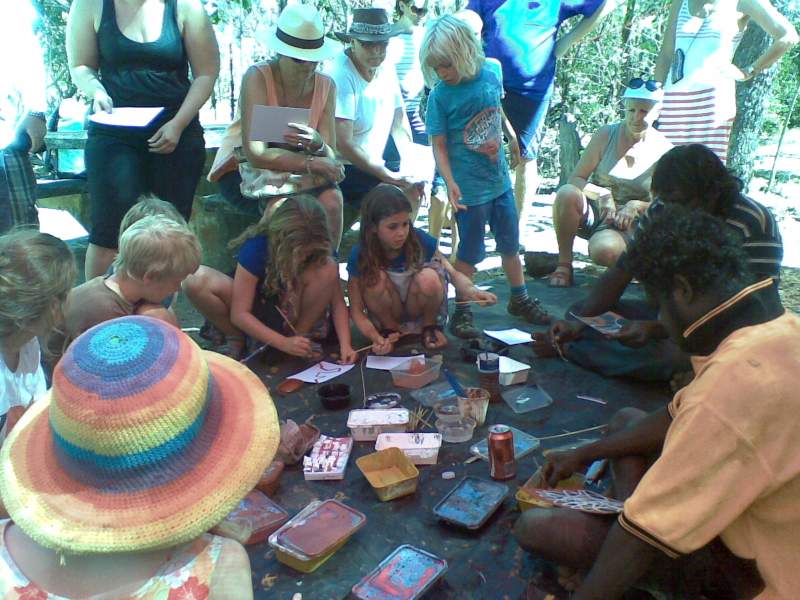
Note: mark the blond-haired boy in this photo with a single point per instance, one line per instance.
(155, 255)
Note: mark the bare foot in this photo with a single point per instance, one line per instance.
(433, 338)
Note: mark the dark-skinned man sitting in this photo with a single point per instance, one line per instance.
(714, 478)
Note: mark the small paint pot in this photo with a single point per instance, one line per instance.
(488, 361)
(383, 400)
(334, 396)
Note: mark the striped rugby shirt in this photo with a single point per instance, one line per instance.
(753, 222)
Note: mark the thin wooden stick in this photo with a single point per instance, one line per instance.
(561, 435)
(254, 353)
(363, 383)
(471, 302)
(591, 399)
(362, 349)
(286, 320)
(560, 351)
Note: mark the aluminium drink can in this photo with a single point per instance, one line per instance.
(502, 464)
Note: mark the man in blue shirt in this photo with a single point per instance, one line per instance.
(522, 35)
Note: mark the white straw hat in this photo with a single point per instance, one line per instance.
(300, 34)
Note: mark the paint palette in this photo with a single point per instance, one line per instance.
(321, 529)
(471, 502)
(524, 444)
(406, 574)
(583, 500)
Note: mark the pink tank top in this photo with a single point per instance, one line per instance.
(225, 160)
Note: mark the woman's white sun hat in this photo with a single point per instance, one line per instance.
(640, 89)
(300, 34)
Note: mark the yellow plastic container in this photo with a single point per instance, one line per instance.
(527, 499)
(310, 564)
(390, 473)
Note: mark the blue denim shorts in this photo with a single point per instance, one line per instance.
(527, 118)
(501, 214)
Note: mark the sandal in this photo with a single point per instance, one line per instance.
(562, 276)
(212, 333)
(429, 338)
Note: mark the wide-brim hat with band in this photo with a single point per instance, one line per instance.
(144, 441)
(300, 34)
(369, 25)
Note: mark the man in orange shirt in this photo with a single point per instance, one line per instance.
(712, 480)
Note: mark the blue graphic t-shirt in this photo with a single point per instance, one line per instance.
(398, 265)
(521, 34)
(468, 114)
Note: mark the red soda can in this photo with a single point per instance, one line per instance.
(502, 464)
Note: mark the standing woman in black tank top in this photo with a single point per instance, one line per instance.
(138, 53)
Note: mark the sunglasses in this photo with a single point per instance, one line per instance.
(419, 11)
(651, 84)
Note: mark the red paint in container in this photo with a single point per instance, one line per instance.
(406, 574)
(253, 520)
(322, 529)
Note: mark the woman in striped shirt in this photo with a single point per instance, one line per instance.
(695, 66)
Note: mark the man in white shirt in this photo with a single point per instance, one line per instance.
(369, 108)
(23, 103)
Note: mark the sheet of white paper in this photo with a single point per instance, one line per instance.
(270, 123)
(509, 365)
(321, 372)
(510, 336)
(127, 116)
(420, 165)
(451, 291)
(386, 363)
(60, 224)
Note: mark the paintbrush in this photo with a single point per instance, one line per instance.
(454, 383)
(286, 320)
(254, 353)
(471, 302)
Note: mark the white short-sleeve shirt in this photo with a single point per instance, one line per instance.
(21, 387)
(369, 104)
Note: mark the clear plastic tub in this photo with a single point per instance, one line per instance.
(390, 473)
(414, 374)
(420, 448)
(366, 424)
(458, 431)
(251, 522)
(474, 405)
(447, 411)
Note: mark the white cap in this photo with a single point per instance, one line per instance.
(642, 93)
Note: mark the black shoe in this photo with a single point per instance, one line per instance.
(530, 310)
(461, 325)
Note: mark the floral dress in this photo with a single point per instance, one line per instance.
(186, 577)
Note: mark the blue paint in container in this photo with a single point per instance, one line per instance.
(471, 502)
(406, 574)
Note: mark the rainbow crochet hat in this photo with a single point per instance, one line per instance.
(144, 441)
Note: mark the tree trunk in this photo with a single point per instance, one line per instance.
(569, 146)
(752, 96)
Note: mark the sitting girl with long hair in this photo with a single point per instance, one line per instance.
(285, 269)
(397, 274)
(37, 271)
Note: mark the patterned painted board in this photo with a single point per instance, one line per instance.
(406, 574)
(471, 502)
(583, 500)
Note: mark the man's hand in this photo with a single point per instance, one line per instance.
(560, 465)
(514, 154)
(625, 216)
(328, 168)
(564, 331)
(636, 334)
(296, 345)
(166, 138)
(383, 345)
(347, 356)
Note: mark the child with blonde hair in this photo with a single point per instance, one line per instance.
(285, 266)
(37, 271)
(156, 254)
(466, 123)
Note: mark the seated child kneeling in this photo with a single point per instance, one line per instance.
(397, 273)
(37, 271)
(286, 286)
(155, 255)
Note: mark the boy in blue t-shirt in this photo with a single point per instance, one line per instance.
(466, 122)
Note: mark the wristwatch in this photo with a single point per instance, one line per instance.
(37, 115)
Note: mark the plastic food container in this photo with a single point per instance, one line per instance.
(474, 405)
(512, 371)
(314, 534)
(527, 500)
(529, 398)
(406, 574)
(390, 473)
(413, 374)
(458, 431)
(432, 394)
(366, 424)
(420, 448)
(471, 502)
(447, 411)
(252, 520)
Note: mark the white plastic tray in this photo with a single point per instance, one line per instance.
(420, 448)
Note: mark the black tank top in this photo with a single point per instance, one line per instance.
(143, 73)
